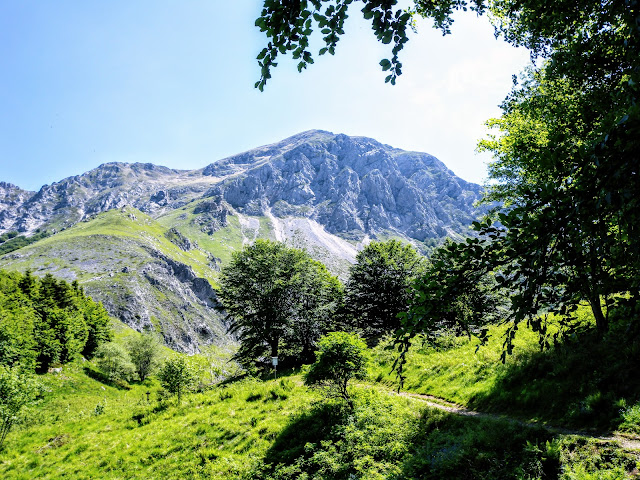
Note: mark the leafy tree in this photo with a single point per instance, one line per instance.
(17, 320)
(18, 392)
(176, 376)
(113, 359)
(144, 351)
(275, 294)
(319, 296)
(341, 357)
(453, 295)
(378, 288)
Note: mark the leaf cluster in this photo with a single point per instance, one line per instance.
(341, 357)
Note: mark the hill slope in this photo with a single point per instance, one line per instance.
(124, 259)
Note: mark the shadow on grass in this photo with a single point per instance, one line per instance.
(459, 448)
(584, 383)
(102, 378)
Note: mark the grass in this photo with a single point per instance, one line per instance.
(277, 429)
(119, 235)
(220, 244)
(585, 382)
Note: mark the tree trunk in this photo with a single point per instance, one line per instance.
(602, 324)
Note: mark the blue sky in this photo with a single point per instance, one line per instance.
(168, 82)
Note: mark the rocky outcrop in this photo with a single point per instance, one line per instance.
(351, 185)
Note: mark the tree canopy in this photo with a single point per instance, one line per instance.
(277, 298)
(341, 357)
(46, 321)
(378, 288)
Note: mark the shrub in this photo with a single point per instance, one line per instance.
(341, 357)
(176, 376)
(18, 392)
(113, 360)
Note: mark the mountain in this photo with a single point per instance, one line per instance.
(149, 241)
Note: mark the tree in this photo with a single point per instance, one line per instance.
(18, 392)
(144, 351)
(378, 288)
(341, 357)
(47, 321)
(176, 376)
(452, 295)
(97, 320)
(113, 359)
(275, 294)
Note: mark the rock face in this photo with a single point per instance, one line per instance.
(149, 241)
(11, 198)
(354, 186)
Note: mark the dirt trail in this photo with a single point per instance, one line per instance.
(628, 442)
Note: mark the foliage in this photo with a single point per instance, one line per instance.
(18, 392)
(379, 287)
(113, 359)
(289, 25)
(176, 376)
(341, 357)
(144, 351)
(452, 295)
(277, 295)
(47, 321)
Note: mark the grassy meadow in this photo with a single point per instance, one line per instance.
(265, 428)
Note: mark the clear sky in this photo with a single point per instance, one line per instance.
(171, 82)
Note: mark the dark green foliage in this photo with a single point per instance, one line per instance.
(341, 357)
(279, 299)
(11, 241)
(379, 287)
(452, 296)
(288, 25)
(48, 321)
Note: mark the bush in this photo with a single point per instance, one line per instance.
(176, 376)
(144, 351)
(114, 361)
(341, 357)
(18, 392)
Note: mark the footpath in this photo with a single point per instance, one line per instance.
(628, 442)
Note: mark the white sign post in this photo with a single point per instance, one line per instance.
(274, 362)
